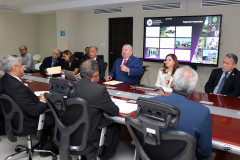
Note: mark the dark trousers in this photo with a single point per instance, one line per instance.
(111, 141)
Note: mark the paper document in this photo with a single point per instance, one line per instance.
(167, 90)
(54, 70)
(37, 93)
(113, 82)
(124, 107)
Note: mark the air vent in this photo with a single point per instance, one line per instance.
(109, 10)
(8, 9)
(209, 3)
(150, 7)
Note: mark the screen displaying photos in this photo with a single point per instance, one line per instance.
(193, 39)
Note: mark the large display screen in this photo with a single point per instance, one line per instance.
(193, 39)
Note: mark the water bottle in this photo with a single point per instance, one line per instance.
(63, 75)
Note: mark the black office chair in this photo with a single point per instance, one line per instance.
(61, 102)
(151, 134)
(79, 56)
(100, 56)
(14, 126)
(144, 69)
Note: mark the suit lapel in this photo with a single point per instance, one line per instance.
(230, 77)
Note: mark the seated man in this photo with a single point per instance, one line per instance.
(99, 102)
(93, 52)
(31, 105)
(52, 61)
(86, 55)
(27, 59)
(128, 68)
(195, 118)
(225, 80)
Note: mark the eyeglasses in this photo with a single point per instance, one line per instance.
(21, 49)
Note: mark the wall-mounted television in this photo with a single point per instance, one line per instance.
(193, 39)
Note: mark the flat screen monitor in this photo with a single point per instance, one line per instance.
(193, 39)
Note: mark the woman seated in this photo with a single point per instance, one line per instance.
(71, 63)
(165, 75)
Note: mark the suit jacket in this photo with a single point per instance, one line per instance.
(101, 67)
(231, 86)
(135, 66)
(30, 104)
(99, 101)
(195, 119)
(47, 63)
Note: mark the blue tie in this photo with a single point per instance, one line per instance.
(222, 83)
(53, 63)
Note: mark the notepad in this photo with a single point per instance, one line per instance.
(124, 107)
(113, 82)
(37, 93)
(54, 70)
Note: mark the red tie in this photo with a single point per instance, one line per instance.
(123, 63)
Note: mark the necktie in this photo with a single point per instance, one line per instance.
(53, 63)
(123, 63)
(222, 83)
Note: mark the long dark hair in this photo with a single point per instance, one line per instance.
(67, 52)
(176, 65)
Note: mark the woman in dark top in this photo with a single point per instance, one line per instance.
(71, 63)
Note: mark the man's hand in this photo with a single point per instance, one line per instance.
(42, 98)
(124, 68)
(109, 78)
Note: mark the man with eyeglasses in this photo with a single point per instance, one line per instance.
(27, 59)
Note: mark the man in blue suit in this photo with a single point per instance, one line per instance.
(127, 68)
(195, 118)
(52, 61)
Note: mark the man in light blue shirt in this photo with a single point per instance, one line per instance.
(27, 59)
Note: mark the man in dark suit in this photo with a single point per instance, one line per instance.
(31, 105)
(52, 61)
(225, 80)
(127, 68)
(93, 52)
(99, 102)
(195, 118)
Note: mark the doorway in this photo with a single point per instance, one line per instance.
(120, 33)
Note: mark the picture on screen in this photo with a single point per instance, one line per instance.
(193, 39)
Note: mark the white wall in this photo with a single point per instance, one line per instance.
(47, 34)
(93, 30)
(18, 29)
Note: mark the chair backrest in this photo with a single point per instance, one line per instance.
(101, 56)
(153, 136)
(79, 55)
(13, 114)
(37, 66)
(144, 69)
(37, 57)
(61, 101)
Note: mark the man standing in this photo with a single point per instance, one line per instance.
(52, 61)
(127, 68)
(99, 102)
(225, 80)
(195, 118)
(27, 59)
(93, 52)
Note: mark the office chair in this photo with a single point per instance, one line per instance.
(61, 101)
(14, 127)
(152, 135)
(144, 69)
(79, 55)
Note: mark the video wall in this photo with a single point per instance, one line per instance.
(193, 39)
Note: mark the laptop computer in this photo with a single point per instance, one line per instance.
(70, 75)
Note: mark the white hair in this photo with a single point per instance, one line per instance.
(184, 80)
(131, 48)
(8, 61)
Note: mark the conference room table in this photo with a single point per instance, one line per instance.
(225, 111)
